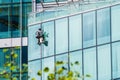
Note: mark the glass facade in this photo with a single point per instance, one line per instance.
(92, 38)
(13, 15)
(13, 24)
(18, 61)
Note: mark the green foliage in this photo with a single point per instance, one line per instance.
(77, 62)
(59, 63)
(88, 75)
(39, 73)
(11, 65)
(5, 50)
(33, 79)
(46, 69)
(62, 73)
(51, 76)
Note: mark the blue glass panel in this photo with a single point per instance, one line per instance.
(27, 0)
(33, 68)
(103, 25)
(89, 37)
(49, 28)
(61, 35)
(115, 12)
(4, 20)
(104, 63)
(49, 0)
(90, 63)
(16, 1)
(15, 21)
(2, 60)
(75, 32)
(116, 59)
(76, 56)
(47, 62)
(26, 8)
(5, 1)
(33, 48)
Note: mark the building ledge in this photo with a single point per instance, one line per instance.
(11, 42)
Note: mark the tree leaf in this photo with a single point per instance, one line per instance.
(88, 75)
(77, 62)
(14, 55)
(14, 78)
(5, 50)
(51, 76)
(7, 56)
(46, 69)
(33, 79)
(17, 47)
(60, 70)
(70, 74)
(39, 73)
(59, 63)
(13, 68)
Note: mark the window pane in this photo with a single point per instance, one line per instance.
(33, 68)
(61, 35)
(63, 58)
(49, 28)
(33, 48)
(89, 29)
(104, 63)
(47, 62)
(103, 25)
(115, 23)
(90, 63)
(4, 21)
(75, 32)
(2, 59)
(116, 59)
(76, 56)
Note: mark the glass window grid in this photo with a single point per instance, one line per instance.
(11, 19)
(95, 46)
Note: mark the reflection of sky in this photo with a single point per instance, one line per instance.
(65, 10)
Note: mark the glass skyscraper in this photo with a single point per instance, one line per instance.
(13, 31)
(88, 33)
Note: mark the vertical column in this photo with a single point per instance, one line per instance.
(33, 5)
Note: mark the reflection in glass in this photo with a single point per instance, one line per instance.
(104, 63)
(47, 62)
(63, 58)
(115, 15)
(75, 32)
(61, 35)
(116, 59)
(49, 28)
(33, 48)
(89, 29)
(90, 63)
(76, 56)
(103, 25)
(33, 68)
